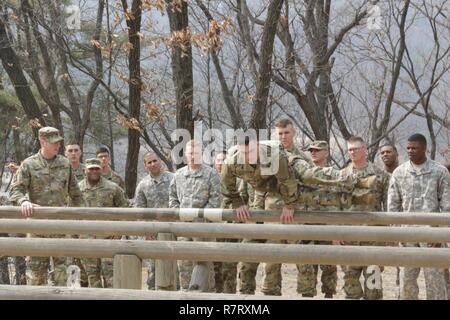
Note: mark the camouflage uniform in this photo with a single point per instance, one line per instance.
(370, 194)
(153, 193)
(427, 190)
(47, 183)
(319, 199)
(103, 194)
(114, 177)
(80, 172)
(272, 200)
(283, 181)
(194, 189)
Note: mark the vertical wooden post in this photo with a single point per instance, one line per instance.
(127, 272)
(166, 270)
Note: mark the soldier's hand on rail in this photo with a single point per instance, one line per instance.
(338, 242)
(287, 215)
(150, 237)
(243, 213)
(392, 244)
(27, 208)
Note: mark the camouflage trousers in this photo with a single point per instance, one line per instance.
(436, 281)
(373, 285)
(247, 272)
(19, 266)
(99, 272)
(307, 276)
(39, 267)
(225, 273)
(185, 268)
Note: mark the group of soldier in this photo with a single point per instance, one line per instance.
(243, 179)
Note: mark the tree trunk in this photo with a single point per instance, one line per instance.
(182, 66)
(134, 27)
(259, 112)
(12, 65)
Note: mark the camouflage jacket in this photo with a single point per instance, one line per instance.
(154, 193)
(195, 188)
(426, 191)
(104, 194)
(80, 172)
(273, 199)
(370, 193)
(246, 192)
(47, 183)
(262, 177)
(114, 177)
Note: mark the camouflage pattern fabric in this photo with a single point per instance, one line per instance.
(427, 190)
(80, 172)
(194, 189)
(114, 177)
(370, 194)
(104, 194)
(47, 183)
(153, 192)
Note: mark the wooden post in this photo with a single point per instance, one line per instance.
(127, 272)
(166, 270)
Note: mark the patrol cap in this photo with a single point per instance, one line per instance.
(318, 145)
(50, 134)
(93, 163)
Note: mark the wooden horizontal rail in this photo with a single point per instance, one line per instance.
(229, 230)
(213, 251)
(13, 292)
(327, 217)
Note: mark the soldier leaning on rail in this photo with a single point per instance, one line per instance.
(266, 166)
(370, 194)
(272, 200)
(195, 186)
(420, 185)
(99, 192)
(153, 192)
(46, 179)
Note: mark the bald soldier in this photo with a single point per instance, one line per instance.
(100, 192)
(46, 179)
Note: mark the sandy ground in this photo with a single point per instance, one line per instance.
(289, 283)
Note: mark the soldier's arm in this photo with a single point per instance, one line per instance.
(141, 200)
(20, 185)
(444, 193)
(385, 189)
(243, 191)
(214, 191)
(121, 182)
(74, 191)
(259, 200)
(174, 202)
(228, 188)
(287, 183)
(394, 198)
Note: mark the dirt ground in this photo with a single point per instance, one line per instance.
(289, 283)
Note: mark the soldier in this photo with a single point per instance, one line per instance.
(194, 186)
(389, 156)
(307, 280)
(370, 194)
(103, 154)
(73, 153)
(153, 192)
(285, 132)
(99, 192)
(46, 179)
(4, 270)
(420, 185)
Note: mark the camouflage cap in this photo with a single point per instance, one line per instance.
(93, 163)
(50, 134)
(318, 144)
